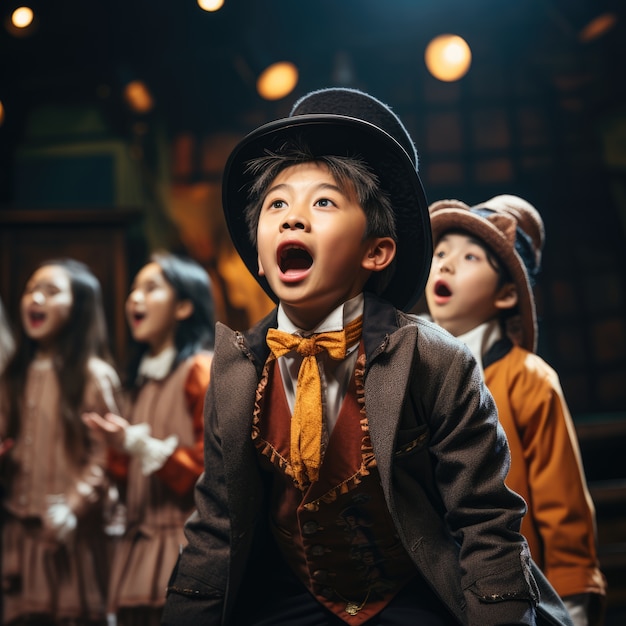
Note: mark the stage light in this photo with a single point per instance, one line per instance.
(22, 17)
(448, 57)
(597, 27)
(210, 5)
(277, 80)
(22, 22)
(138, 96)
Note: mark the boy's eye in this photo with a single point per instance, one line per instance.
(277, 204)
(324, 202)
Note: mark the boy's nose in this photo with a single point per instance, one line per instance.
(38, 297)
(295, 221)
(446, 265)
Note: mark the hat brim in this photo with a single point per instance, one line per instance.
(449, 219)
(338, 135)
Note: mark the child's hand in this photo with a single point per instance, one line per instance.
(111, 426)
(5, 445)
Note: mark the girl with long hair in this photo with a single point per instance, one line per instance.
(157, 448)
(53, 561)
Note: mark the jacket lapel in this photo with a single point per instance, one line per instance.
(386, 385)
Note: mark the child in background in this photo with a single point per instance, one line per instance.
(170, 313)
(54, 561)
(354, 464)
(480, 289)
(7, 343)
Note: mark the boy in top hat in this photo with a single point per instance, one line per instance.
(484, 266)
(354, 465)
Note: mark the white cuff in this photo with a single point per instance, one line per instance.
(62, 520)
(157, 451)
(135, 438)
(151, 452)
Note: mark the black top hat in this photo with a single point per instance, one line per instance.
(343, 122)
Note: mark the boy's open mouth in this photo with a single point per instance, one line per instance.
(293, 258)
(442, 289)
(137, 317)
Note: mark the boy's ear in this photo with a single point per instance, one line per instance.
(507, 297)
(380, 252)
(184, 310)
(261, 271)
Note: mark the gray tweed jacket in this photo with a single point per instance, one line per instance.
(442, 458)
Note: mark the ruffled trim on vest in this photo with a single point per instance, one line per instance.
(368, 460)
(263, 446)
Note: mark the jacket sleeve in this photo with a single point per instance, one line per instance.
(467, 454)
(184, 466)
(562, 510)
(195, 593)
(229, 495)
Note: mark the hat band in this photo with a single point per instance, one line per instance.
(523, 246)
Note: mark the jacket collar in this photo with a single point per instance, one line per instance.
(497, 351)
(380, 319)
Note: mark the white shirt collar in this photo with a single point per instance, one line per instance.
(342, 315)
(481, 338)
(157, 367)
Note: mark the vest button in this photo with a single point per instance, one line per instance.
(310, 528)
(318, 550)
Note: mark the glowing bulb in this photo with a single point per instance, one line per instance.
(138, 96)
(22, 17)
(1, 113)
(210, 5)
(448, 57)
(598, 27)
(277, 80)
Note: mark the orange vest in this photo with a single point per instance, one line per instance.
(337, 535)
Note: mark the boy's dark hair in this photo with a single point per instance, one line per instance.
(84, 335)
(353, 176)
(190, 282)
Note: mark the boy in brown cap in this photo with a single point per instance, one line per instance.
(484, 266)
(354, 465)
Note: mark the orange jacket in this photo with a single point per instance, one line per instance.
(546, 470)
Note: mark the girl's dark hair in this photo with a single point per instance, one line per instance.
(84, 335)
(190, 282)
(352, 175)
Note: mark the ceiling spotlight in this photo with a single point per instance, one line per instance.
(21, 23)
(22, 17)
(277, 80)
(210, 5)
(138, 96)
(448, 57)
(597, 27)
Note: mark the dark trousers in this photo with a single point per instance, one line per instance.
(289, 603)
